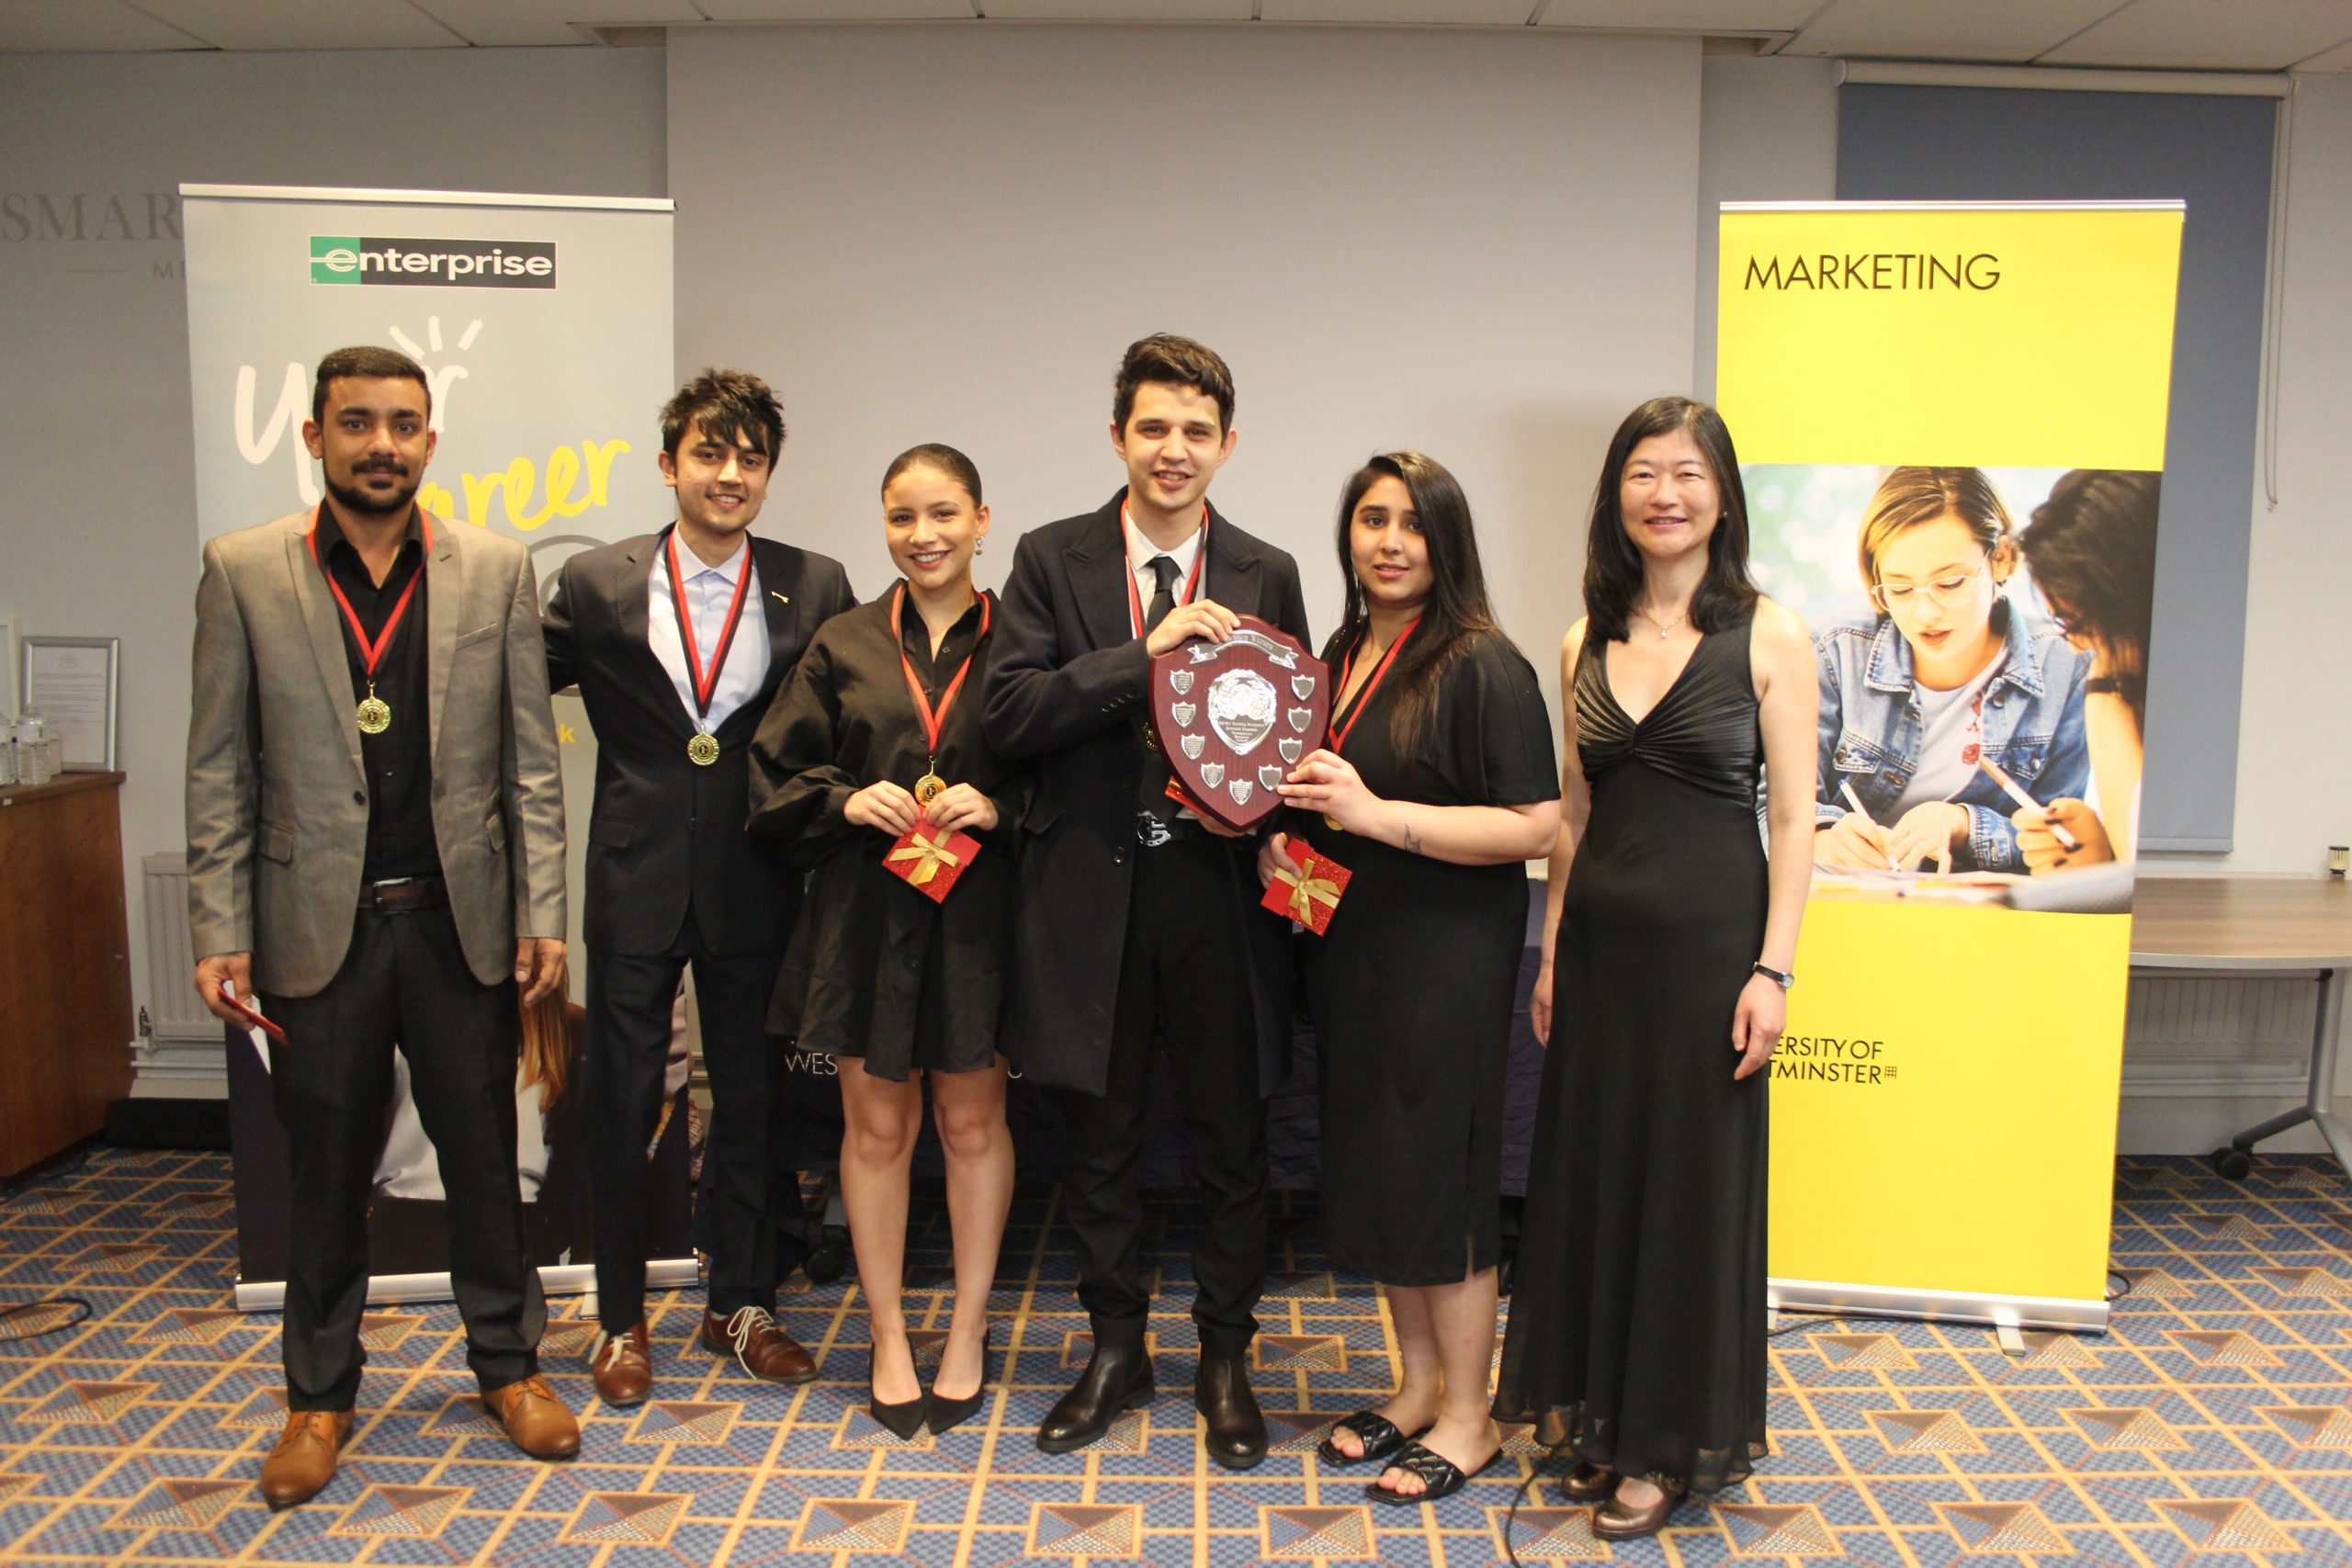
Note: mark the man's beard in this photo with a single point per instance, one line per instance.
(353, 498)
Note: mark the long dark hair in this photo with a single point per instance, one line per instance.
(2092, 549)
(1457, 610)
(1612, 566)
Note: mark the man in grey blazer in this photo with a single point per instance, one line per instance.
(374, 823)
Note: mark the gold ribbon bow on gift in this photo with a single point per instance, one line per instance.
(932, 856)
(1305, 890)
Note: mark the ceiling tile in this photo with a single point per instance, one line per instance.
(1438, 12)
(305, 24)
(67, 26)
(2189, 35)
(1119, 10)
(2336, 59)
(496, 22)
(1680, 15)
(1995, 31)
(836, 10)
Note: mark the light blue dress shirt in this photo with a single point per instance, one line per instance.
(709, 590)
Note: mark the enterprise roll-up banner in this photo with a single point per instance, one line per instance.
(1950, 422)
(544, 323)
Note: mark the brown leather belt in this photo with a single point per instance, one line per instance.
(404, 896)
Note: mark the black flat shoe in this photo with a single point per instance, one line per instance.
(901, 1420)
(1376, 1432)
(946, 1413)
(1441, 1477)
(1117, 1378)
(1236, 1428)
(1586, 1483)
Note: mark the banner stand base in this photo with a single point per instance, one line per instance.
(1942, 1306)
(556, 1280)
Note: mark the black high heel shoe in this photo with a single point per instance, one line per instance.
(946, 1413)
(901, 1420)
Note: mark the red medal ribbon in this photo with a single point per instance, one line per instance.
(704, 684)
(372, 651)
(1340, 732)
(932, 723)
(1135, 599)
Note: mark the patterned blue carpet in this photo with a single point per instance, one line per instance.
(2213, 1425)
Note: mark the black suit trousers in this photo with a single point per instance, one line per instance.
(756, 1227)
(1183, 981)
(404, 985)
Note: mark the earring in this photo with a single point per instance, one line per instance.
(980, 546)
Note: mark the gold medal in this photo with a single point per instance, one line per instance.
(703, 749)
(1333, 823)
(375, 714)
(928, 789)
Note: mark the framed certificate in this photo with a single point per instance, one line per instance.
(76, 682)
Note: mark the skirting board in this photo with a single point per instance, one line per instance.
(556, 1280)
(1943, 1307)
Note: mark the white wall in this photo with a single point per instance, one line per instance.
(98, 529)
(1477, 245)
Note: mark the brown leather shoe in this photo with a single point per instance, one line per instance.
(759, 1345)
(1587, 1482)
(623, 1367)
(304, 1460)
(533, 1418)
(1613, 1520)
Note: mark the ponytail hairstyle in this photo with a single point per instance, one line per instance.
(1457, 611)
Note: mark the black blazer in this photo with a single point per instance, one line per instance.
(663, 830)
(1066, 686)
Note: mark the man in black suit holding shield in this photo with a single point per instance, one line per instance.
(1138, 920)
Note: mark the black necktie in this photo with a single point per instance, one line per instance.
(1152, 782)
(1163, 593)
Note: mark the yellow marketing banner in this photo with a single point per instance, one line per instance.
(1950, 419)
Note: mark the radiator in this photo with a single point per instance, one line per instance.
(183, 1040)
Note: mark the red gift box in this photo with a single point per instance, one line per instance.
(1311, 896)
(929, 859)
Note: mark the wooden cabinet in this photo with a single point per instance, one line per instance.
(65, 1025)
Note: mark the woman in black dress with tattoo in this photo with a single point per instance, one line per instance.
(1436, 788)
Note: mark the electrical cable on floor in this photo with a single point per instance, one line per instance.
(11, 1311)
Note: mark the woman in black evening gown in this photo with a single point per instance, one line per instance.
(1436, 788)
(1637, 1312)
(877, 729)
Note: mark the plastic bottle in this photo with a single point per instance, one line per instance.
(32, 747)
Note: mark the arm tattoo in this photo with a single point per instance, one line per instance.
(1412, 841)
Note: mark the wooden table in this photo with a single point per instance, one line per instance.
(2259, 925)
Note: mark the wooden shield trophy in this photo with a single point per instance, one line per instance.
(1234, 717)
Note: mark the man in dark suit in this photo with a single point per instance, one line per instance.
(375, 845)
(677, 641)
(1138, 921)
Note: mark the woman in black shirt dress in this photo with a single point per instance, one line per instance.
(1438, 784)
(895, 986)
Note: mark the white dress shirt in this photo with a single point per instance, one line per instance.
(1142, 552)
(709, 590)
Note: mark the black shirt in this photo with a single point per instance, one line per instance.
(934, 673)
(399, 763)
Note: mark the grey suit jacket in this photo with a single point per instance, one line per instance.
(277, 795)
